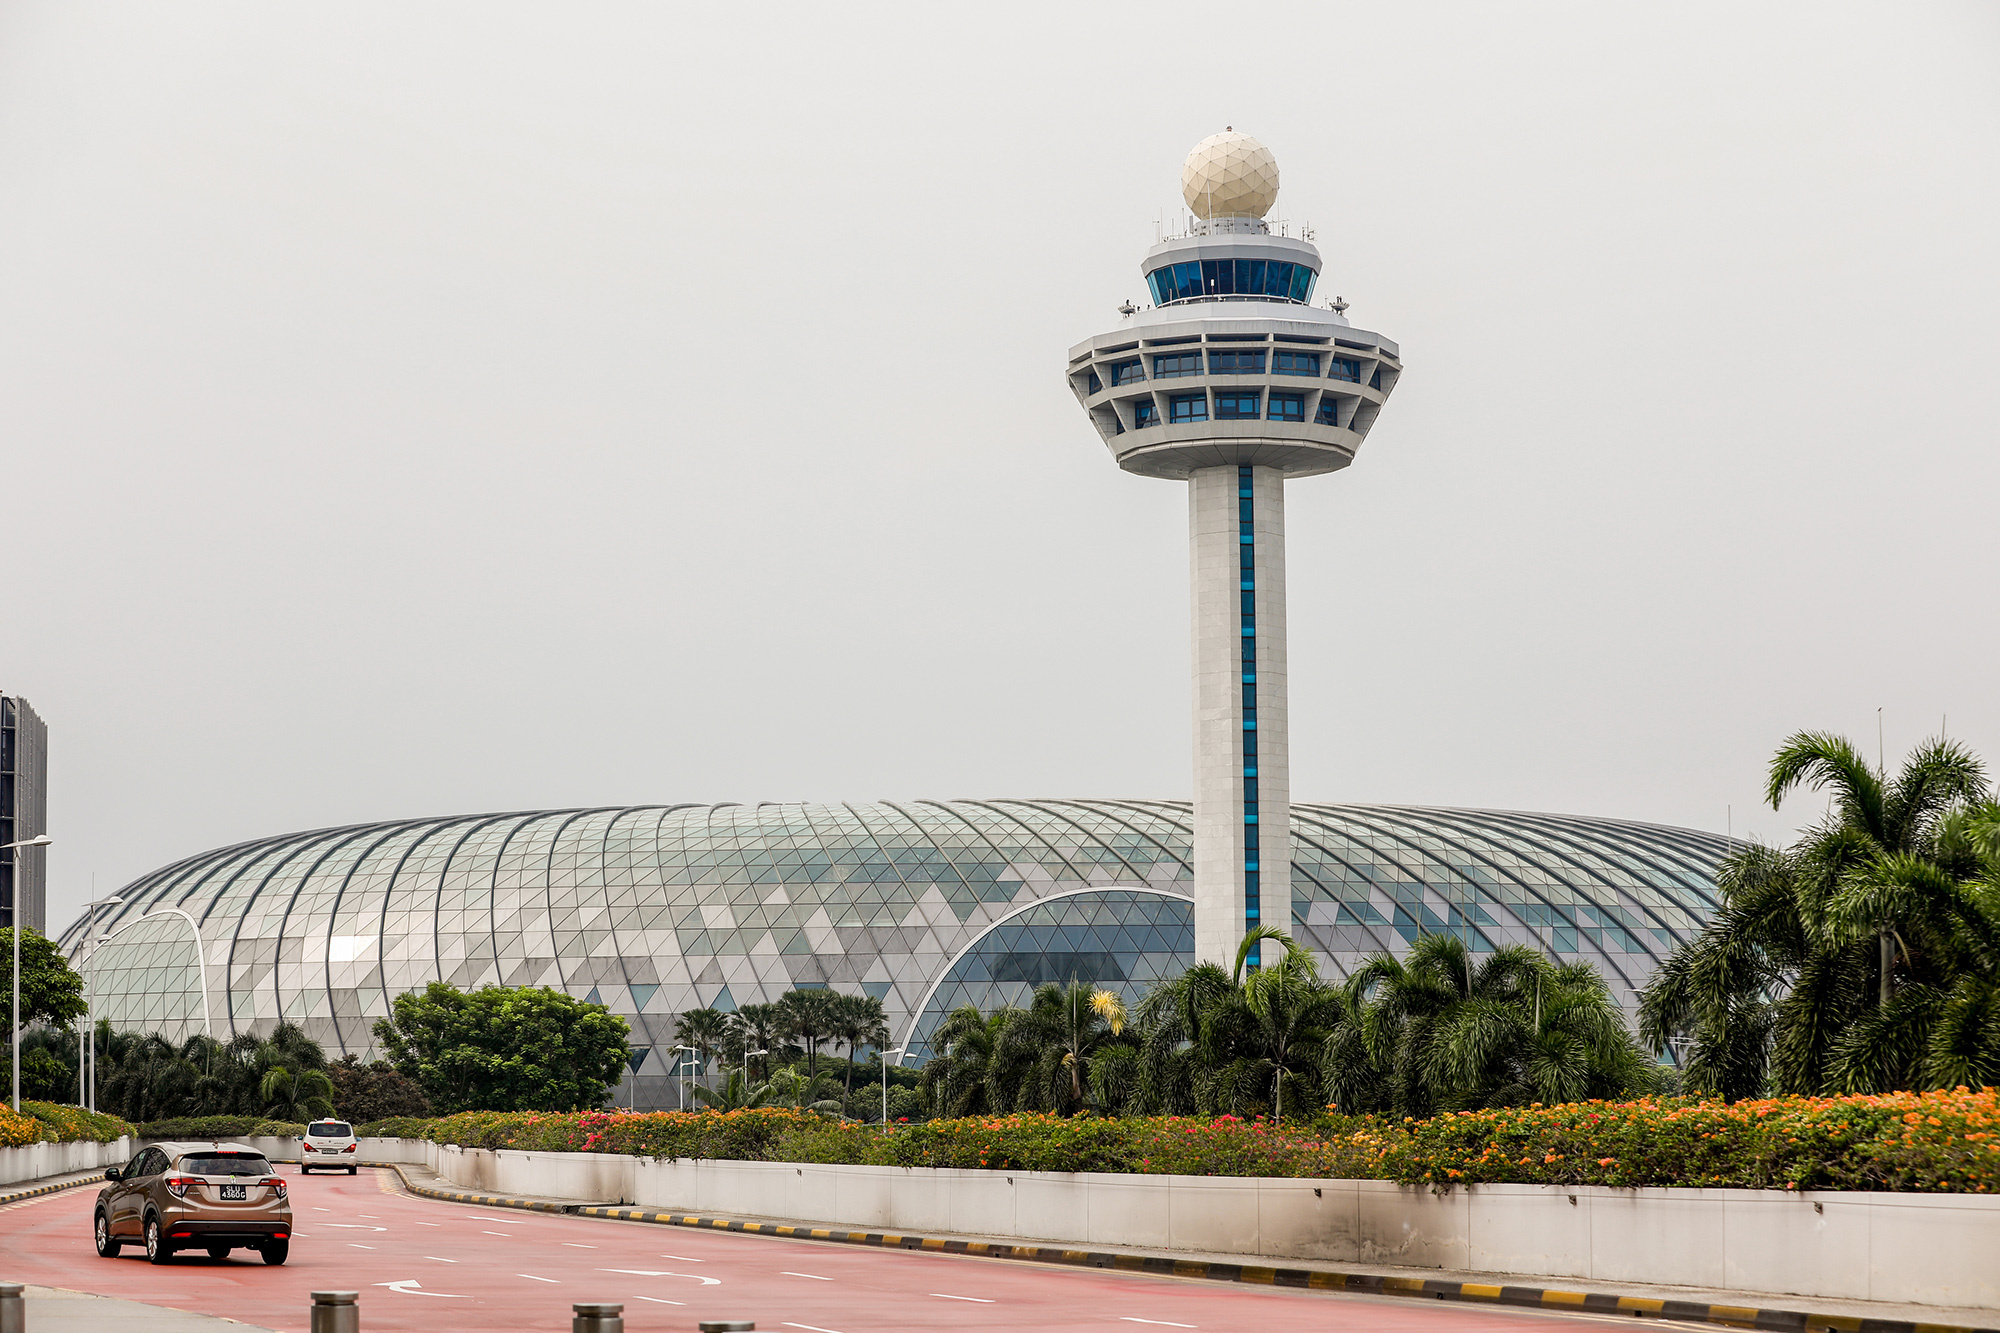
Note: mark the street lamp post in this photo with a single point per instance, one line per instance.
(86, 1059)
(14, 919)
(896, 1051)
(687, 1079)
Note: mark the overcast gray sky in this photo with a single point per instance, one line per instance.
(420, 409)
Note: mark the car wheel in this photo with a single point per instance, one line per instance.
(353, 1170)
(107, 1248)
(158, 1251)
(218, 1251)
(276, 1251)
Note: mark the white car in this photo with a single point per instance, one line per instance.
(328, 1145)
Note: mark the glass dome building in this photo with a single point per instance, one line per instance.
(927, 905)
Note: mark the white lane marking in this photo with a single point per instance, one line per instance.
(532, 1278)
(814, 1327)
(370, 1216)
(659, 1300)
(442, 1261)
(648, 1272)
(353, 1246)
(578, 1245)
(506, 1234)
(684, 1259)
(949, 1297)
(814, 1276)
(355, 1226)
(503, 1221)
(409, 1286)
(430, 1224)
(1135, 1319)
(318, 1209)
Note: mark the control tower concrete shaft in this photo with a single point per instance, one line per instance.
(1233, 381)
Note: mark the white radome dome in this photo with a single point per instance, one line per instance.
(1230, 175)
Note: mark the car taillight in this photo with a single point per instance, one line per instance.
(179, 1184)
(310, 1148)
(279, 1182)
(350, 1147)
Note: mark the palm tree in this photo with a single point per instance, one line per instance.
(148, 1079)
(735, 1094)
(809, 1015)
(705, 1030)
(1442, 1030)
(801, 1091)
(1861, 957)
(858, 1020)
(755, 1027)
(1235, 1041)
(1054, 1041)
(296, 1094)
(960, 1078)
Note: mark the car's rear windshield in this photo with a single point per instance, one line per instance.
(225, 1164)
(330, 1129)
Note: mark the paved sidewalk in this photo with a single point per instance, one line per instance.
(1762, 1310)
(52, 1308)
(29, 1189)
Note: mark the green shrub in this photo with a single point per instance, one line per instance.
(200, 1127)
(1894, 1141)
(73, 1124)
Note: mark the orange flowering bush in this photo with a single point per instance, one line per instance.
(1893, 1141)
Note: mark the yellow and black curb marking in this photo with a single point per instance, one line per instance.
(1311, 1279)
(15, 1196)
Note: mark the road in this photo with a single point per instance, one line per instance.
(424, 1265)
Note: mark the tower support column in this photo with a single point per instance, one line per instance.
(1242, 754)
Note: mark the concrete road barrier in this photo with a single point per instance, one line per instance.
(1919, 1249)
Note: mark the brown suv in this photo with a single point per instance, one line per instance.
(195, 1196)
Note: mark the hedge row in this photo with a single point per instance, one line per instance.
(49, 1122)
(1897, 1141)
(220, 1127)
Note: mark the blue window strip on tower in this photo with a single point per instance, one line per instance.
(1246, 542)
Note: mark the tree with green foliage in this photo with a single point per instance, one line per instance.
(51, 990)
(374, 1091)
(858, 1020)
(1862, 958)
(500, 1048)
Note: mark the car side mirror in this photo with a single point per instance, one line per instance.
(112, 1174)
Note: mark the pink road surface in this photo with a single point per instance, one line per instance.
(465, 1267)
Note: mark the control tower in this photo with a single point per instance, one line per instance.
(1233, 381)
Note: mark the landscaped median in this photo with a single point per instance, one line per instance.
(1933, 1141)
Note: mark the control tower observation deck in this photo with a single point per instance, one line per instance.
(1233, 381)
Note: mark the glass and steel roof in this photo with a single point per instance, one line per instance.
(653, 910)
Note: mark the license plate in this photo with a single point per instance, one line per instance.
(235, 1192)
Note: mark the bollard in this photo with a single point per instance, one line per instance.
(597, 1317)
(336, 1312)
(727, 1325)
(13, 1310)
